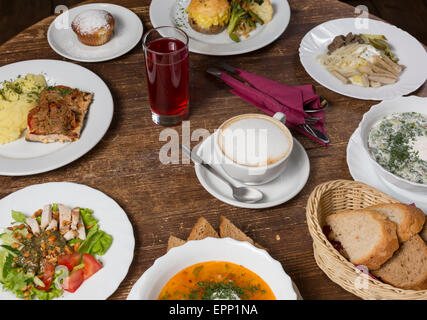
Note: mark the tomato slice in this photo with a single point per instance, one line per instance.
(47, 277)
(73, 281)
(91, 265)
(70, 260)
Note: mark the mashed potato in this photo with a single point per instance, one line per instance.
(16, 99)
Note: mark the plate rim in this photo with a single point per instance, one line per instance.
(47, 168)
(220, 197)
(133, 294)
(127, 223)
(367, 96)
(287, 7)
(94, 60)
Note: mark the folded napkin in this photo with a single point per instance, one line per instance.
(271, 97)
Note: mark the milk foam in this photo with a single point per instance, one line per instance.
(254, 140)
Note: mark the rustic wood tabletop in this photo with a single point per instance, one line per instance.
(161, 200)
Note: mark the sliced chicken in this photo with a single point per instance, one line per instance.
(53, 225)
(75, 216)
(46, 216)
(71, 234)
(81, 231)
(64, 218)
(34, 225)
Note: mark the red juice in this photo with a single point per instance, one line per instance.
(166, 65)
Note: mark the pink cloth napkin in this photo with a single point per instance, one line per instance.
(272, 96)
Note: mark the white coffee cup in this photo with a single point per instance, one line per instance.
(253, 148)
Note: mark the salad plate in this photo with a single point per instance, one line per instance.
(276, 192)
(111, 219)
(128, 31)
(20, 157)
(408, 50)
(361, 169)
(172, 13)
(150, 284)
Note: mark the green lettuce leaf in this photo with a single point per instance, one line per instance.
(18, 216)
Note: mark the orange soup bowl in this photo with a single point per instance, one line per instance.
(239, 267)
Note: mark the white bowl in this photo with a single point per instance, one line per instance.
(379, 111)
(148, 287)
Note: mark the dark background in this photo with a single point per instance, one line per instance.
(410, 15)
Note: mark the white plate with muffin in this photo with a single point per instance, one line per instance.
(209, 23)
(95, 32)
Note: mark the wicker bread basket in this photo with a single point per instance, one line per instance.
(338, 195)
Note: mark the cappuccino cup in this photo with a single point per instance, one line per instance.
(254, 148)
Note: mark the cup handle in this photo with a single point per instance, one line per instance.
(280, 116)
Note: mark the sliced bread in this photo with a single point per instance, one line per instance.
(368, 237)
(407, 269)
(228, 230)
(409, 219)
(174, 242)
(423, 232)
(202, 229)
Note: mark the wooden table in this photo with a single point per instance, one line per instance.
(167, 199)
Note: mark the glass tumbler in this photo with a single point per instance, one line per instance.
(167, 71)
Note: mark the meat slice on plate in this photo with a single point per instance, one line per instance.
(59, 115)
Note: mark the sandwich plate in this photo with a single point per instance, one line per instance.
(21, 157)
(172, 13)
(410, 52)
(148, 287)
(127, 32)
(112, 219)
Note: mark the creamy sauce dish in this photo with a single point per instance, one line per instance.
(398, 143)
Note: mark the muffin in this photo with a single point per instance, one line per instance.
(93, 27)
(208, 16)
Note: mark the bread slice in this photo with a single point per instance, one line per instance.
(423, 233)
(409, 219)
(368, 237)
(407, 269)
(175, 242)
(228, 229)
(202, 229)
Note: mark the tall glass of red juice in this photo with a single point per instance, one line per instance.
(166, 66)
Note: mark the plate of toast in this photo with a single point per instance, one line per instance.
(51, 113)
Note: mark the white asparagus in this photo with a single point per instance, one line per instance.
(382, 79)
(365, 80)
(374, 84)
(340, 77)
(393, 64)
(381, 71)
(380, 62)
(46, 216)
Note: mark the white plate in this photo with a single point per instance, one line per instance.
(150, 284)
(171, 13)
(361, 169)
(112, 219)
(20, 157)
(276, 192)
(127, 33)
(409, 51)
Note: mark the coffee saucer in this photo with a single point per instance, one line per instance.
(362, 170)
(276, 192)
